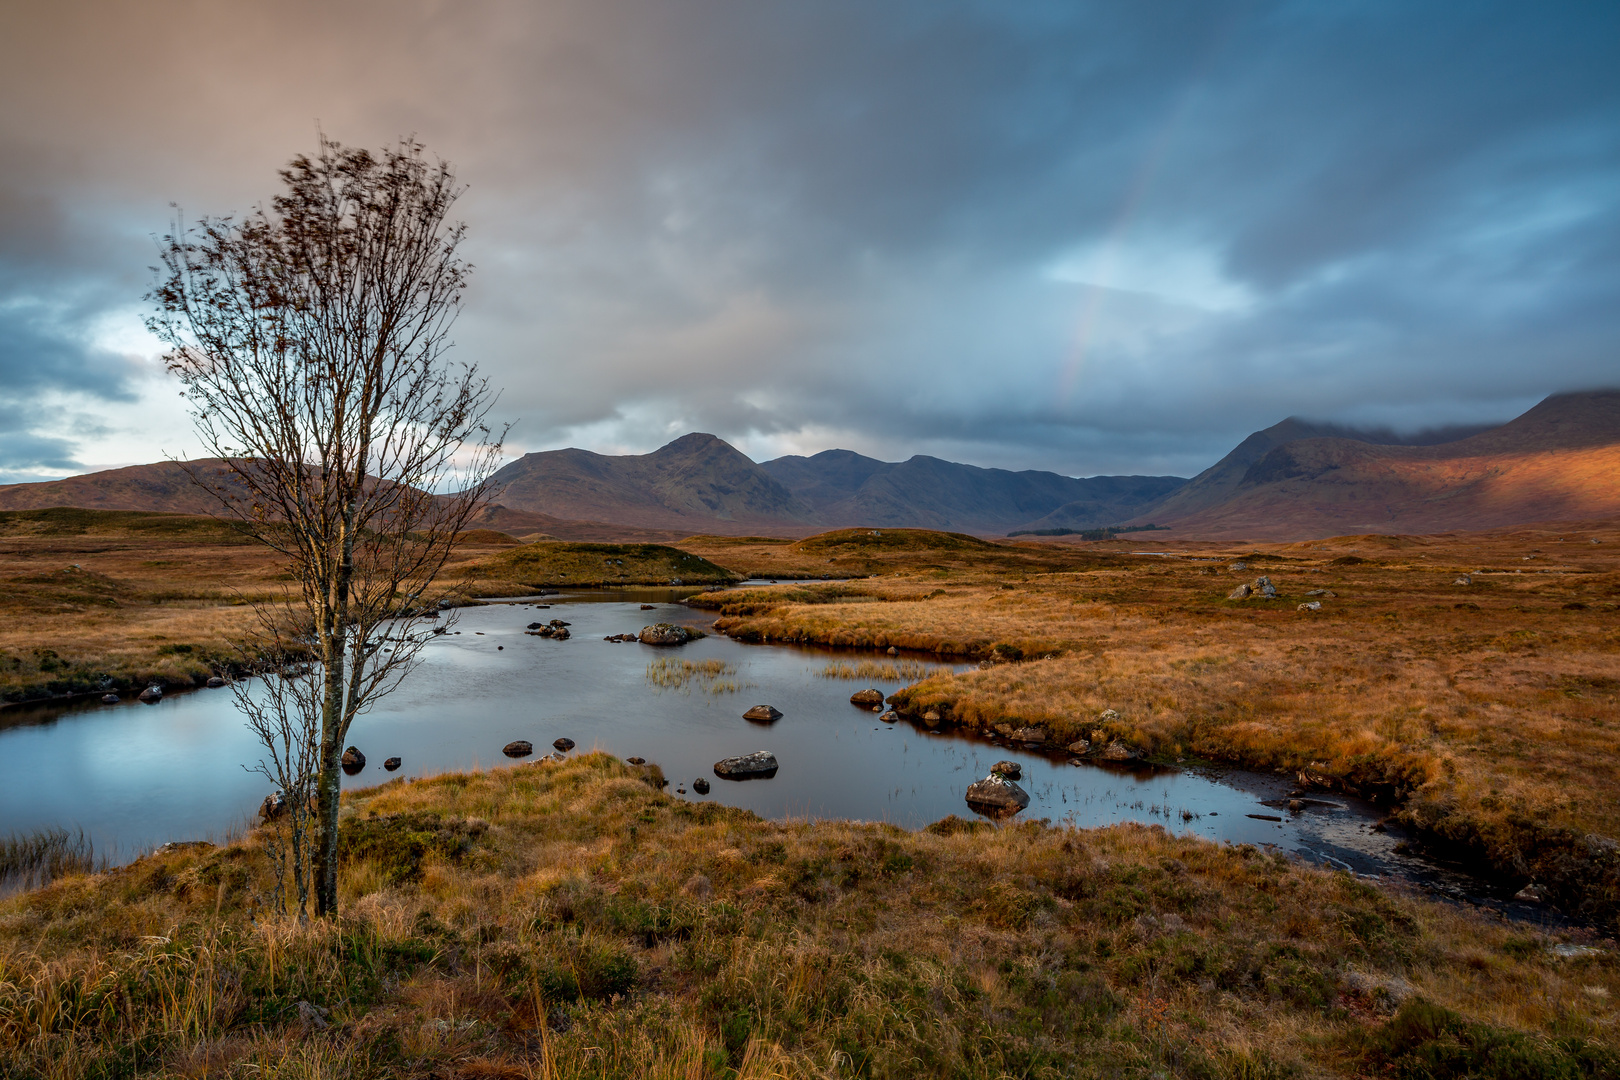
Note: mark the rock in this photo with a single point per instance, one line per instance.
(215, 683)
(764, 714)
(701, 786)
(391, 764)
(680, 791)
(1239, 565)
(667, 634)
(997, 794)
(564, 744)
(1532, 893)
(313, 1017)
(635, 761)
(1240, 593)
(1010, 769)
(931, 718)
(1028, 734)
(1310, 605)
(1295, 806)
(889, 717)
(518, 748)
(109, 699)
(697, 887)
(1118, 751)
(896, 652)
(440, 629)
(152, 693)
(761, 763)
(1079, 746)
(1385, 991)
(646, 607)
(1108, 715)
(866, 697)
(1264, 589)
(1466, 579)
(535, 626)
(272, 807)
(1310, 777)
(353, 760)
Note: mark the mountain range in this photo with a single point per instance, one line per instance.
(1292, 481)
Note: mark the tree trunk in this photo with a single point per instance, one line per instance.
(330, 785)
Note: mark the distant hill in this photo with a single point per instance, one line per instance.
(163, 486)
(844, 488)
(1295, 480)
(698, 483)
(1560, 461)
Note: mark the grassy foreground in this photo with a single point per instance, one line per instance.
(573, 921)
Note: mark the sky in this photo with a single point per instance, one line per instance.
(1091, 238)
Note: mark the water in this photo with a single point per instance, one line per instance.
(134, 776)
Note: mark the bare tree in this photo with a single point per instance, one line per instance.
(310, 339)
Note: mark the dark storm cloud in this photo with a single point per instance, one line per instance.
(1093, 238)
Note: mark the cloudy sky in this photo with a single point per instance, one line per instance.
(1093, 238)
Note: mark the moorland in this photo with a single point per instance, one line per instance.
(575, 920)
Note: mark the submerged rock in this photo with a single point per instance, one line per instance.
(763, 714)
(761, 763)
(866, 697)
(518, 748)
(997, 794)
(646, 607)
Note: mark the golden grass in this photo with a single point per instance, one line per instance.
(710, 676)
(884, 670)
(91, 599)
(568, 920)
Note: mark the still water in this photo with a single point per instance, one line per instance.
(134, 776)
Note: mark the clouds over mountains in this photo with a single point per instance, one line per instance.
(1088, 238)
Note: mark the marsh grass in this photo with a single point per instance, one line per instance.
(884, 670)
(29, 860)
(709, 676)
(570, 920)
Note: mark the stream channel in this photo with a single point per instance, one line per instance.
(133, 776)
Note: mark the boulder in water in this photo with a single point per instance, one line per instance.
(701, 786)
(764, 714)
(667, 634)
(564, 744)
(109, 699)
(152, 694)
(761, 763)
(391, 764)
(518, 748)
(1010, 769)
(997, 795)
(215, 683)
(353, 760)
(866, 697)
